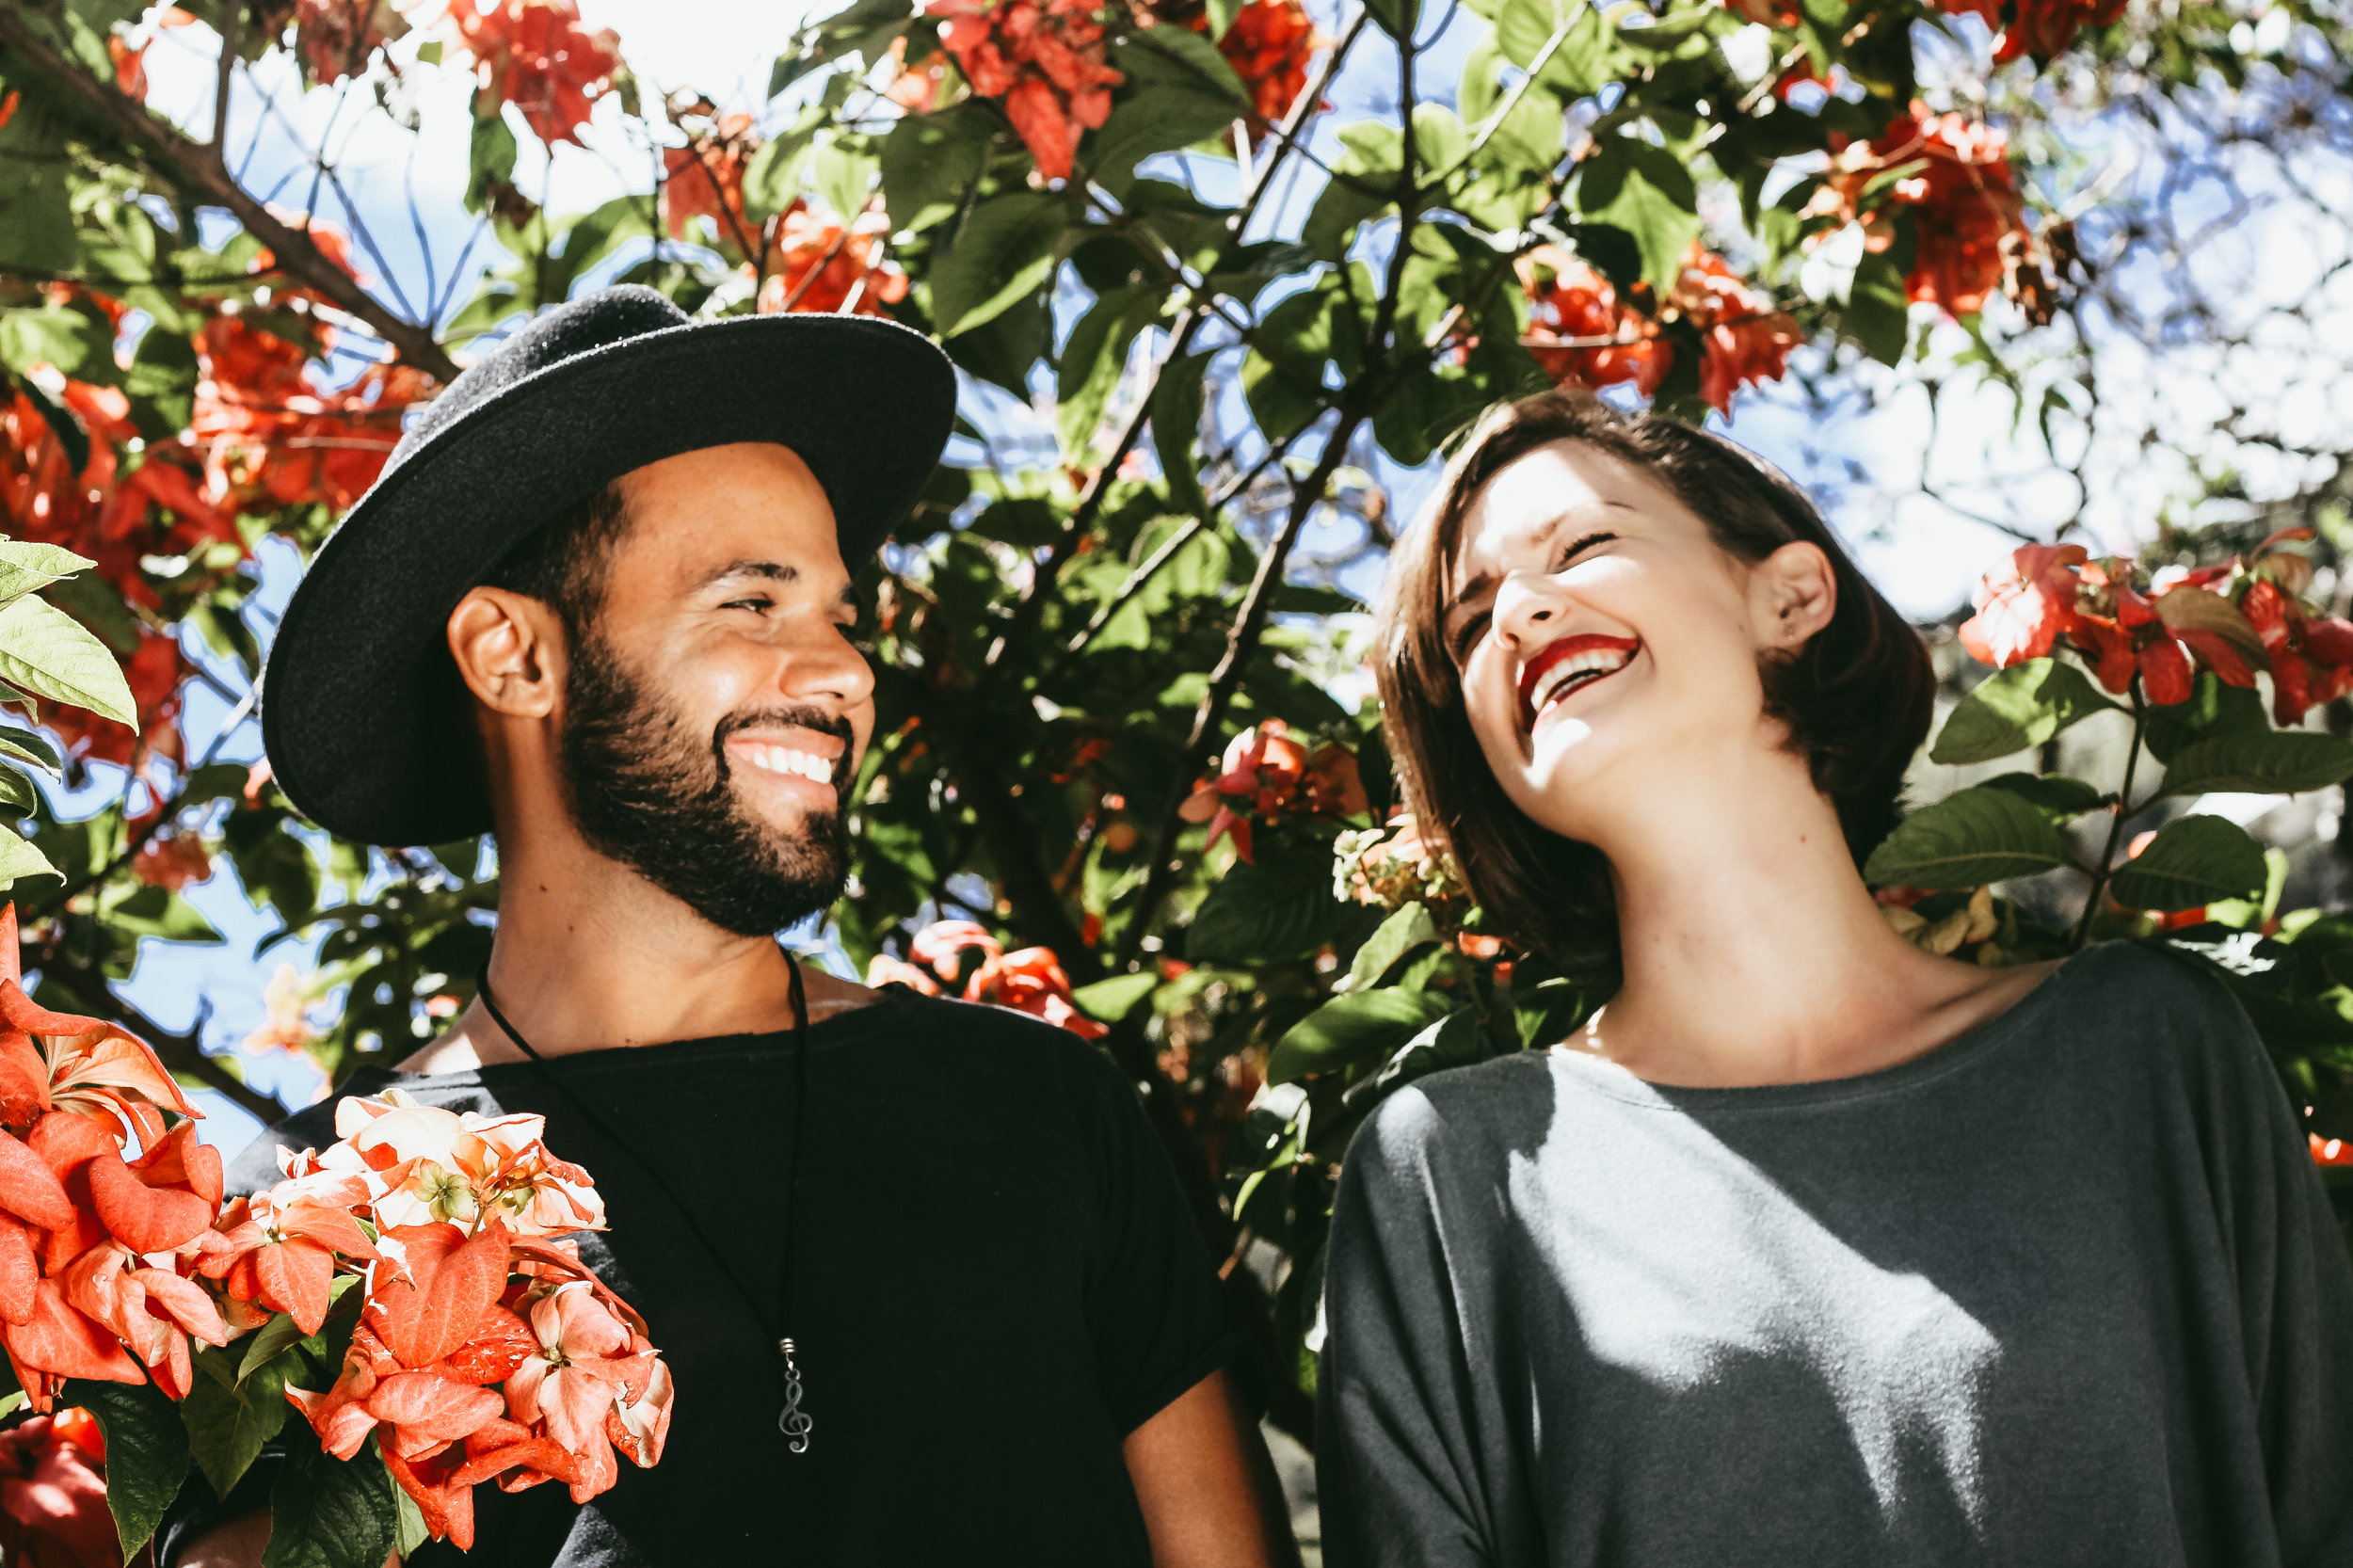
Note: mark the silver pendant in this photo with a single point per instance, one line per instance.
(792, 1421)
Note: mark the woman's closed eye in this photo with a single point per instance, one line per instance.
(1576, 548)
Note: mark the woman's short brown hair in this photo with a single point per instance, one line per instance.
(1857, 698)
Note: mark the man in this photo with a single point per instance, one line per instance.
(600, 603)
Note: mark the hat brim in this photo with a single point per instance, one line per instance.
(360, 709)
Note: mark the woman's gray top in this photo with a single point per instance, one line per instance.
(2066, 1290)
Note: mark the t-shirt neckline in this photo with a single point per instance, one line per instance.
(842, 1028)
(1971, 1045)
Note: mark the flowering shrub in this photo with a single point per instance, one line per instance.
(1029, 980)
(1267, 774)
(1582, 330)
(1044, 62)
(416, 1267)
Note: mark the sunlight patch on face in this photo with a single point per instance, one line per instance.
(1705, 1265)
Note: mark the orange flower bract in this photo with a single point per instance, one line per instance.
(538, 55)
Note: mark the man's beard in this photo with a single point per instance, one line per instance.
(645, 791)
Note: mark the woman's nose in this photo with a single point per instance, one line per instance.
(1527, 612)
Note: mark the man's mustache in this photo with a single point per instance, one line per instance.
(799, 718)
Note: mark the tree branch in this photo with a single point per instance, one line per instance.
(1226, 678)
(200, 169)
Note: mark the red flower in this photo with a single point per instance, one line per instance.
(814, 265)
(705, 179)
(1577, 331)
(1045, 58)
(536, 56)
(53, 1495)
(1032, 980)
(338, 35)
(2045, 592)
(1743, 340)
(1268, 44)
(1963, 195)
(2023, 606)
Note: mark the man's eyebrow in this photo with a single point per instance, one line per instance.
(773, 571)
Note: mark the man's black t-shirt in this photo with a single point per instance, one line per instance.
(997, 1282)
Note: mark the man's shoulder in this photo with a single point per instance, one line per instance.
(960, 1038)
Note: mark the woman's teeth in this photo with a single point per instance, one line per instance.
(786, 760)
(1579, 669)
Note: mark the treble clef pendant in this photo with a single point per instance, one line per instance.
(793, 1420)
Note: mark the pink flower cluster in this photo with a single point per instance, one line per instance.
(484, 1351)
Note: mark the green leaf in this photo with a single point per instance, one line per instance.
(1180, 55)
(929, 163)
(2265, 762)
(1279, 908)
(411, 1533)
(1161, 117)
(1405, 932)
(2192, 861)
(2056, 795)
(1004, 255)
(1454, 1040)
(1545, 1011)
(139, 909)
(1109, 1001)
(90, 600)
(47, 652)
(2016, 708)
(1397, 17)
(55, 335)
(1967, 840)
(229, 1416)
(1876, 313)
(19, 859)
(1096, 356)
(1352, 1028)
(1644, 190)
(18, 793)
(271, 1338)
(490, 159)
(147, 1454)
(2215, 710)
(327, 1513)
(1177, 404)
(844, 177)
(26, 746)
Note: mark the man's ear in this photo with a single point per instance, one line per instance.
(1793, 593)
(510, 650)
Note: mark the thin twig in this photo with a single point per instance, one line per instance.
(191, 163)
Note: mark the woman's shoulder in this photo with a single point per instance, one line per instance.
(1469, 1113)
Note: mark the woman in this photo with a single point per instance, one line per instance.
(1810, 1248)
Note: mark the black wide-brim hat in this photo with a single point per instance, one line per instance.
(362, 714)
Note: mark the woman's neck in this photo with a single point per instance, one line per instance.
(1752, 952)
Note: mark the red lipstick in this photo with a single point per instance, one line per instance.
(1532, 676)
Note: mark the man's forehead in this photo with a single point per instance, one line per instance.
(750, 510)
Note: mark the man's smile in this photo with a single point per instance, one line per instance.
(803, 760)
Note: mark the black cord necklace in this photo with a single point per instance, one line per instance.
(792, 1419)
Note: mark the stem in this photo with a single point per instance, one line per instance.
(1032, 605)
(1226, 678)
(231, 20)
(201, 169)
(2116, 826)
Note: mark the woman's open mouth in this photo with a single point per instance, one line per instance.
(1569, 666)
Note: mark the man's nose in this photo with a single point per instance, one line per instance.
(826, 670)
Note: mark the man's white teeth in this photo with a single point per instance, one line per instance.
(786, 760)
(1573, 671)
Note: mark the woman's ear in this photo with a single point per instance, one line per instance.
(509, 652)
(1793, 593)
